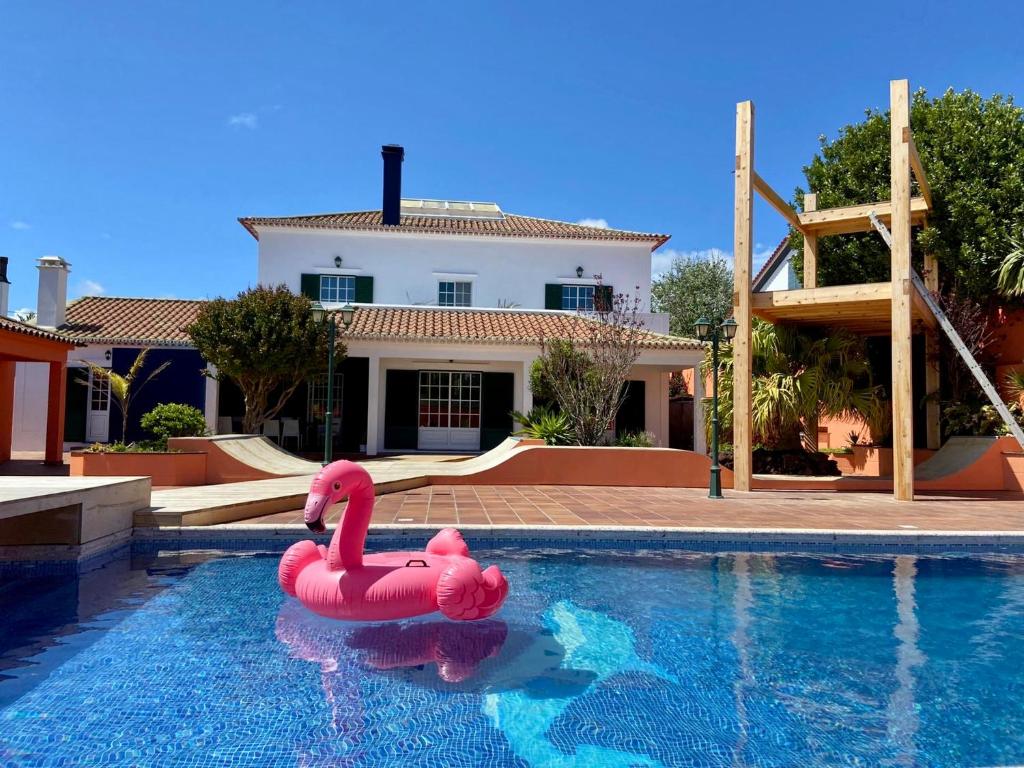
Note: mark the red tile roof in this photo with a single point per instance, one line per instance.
(480, 326)
(115, 320)
(510, 225)
(162, 322)
(16, 326)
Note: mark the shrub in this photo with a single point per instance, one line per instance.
(635, 440)
(543, 424)
(174, 420)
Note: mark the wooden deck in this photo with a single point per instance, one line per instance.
(865, 308)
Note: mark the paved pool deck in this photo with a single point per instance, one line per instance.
(660, 508)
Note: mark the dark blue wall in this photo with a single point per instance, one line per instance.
(181, 382)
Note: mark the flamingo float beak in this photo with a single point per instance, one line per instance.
(313, 514)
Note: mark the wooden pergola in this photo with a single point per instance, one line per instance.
(893, 308)
(20, 342)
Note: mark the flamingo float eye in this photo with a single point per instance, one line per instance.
(337, 486)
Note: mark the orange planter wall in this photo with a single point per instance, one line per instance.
(164, 468)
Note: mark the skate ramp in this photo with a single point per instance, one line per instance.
(956, 455)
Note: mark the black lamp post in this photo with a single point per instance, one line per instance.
(320, 315)
(723, 332)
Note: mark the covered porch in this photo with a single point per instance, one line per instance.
(22, 343)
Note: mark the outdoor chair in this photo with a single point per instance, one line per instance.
(290, 429)
(272, 428)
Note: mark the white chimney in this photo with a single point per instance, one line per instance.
(51, 305)
(5, 286)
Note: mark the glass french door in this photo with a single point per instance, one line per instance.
(97, 426)
(449, 411)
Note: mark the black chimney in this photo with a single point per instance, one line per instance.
(3, 270)
(393, 155)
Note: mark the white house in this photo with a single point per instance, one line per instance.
(452, 300)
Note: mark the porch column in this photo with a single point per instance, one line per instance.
(374, 405)
(55, 414)
(7, 369)
(210, 402)
(700, 435)
(523, 397)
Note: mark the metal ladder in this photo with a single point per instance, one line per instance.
(958, 343)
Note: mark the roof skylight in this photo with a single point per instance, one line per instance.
(451, 209)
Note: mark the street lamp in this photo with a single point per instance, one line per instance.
(706, 331)
(320, 315)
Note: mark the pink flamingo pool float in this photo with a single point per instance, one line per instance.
(340, 582)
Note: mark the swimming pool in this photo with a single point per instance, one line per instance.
(599, 658)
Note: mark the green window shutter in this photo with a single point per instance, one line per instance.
(553, 296)
(603, 298)
(310, 287)
(401, 409)
(364, 289)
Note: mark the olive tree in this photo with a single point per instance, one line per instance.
(267, 342)
(694, 286)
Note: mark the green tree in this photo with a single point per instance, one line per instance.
(973, 152)
(693, 287)
(267, 342)
(125, 386)
(1010, 277)
(800, 377)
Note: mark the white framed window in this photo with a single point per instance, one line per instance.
(316, 397)
(337, 289)
(454, 293)
(578, 297)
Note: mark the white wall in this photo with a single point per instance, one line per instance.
(31, 386)
(783, 277)
(406, 267)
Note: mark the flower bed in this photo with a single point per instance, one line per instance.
(165, 468)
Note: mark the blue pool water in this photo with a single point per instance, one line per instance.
(599, 658)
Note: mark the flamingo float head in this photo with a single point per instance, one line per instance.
(333, 483)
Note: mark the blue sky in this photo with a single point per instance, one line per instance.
(132, 135)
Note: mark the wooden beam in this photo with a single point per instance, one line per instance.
(932, 377)
(854, 218)
(743, 251)
(902, 289)
(810, 246)
(918, 168)
(776, 201)
(829, 296)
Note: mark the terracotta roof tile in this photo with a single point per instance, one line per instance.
(510, 225)
(162, 322)
(16, 326)
(114, 320)
(481, 326)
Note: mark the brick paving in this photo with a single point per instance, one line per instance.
(686, 507)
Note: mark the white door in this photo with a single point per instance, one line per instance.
(449, 411)
(97, 424)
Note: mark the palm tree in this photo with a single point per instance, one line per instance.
(798, 378)
(123, 387)
(1010, 276)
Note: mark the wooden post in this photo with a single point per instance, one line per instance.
(55, 414)
(742, 426)
(932, 381)
(902, 381)
(810, 246)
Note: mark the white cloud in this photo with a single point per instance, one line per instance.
(662, 260)
(599, 223)
(20, 225)
(89, 288)
(24, 314)
(244, 120)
